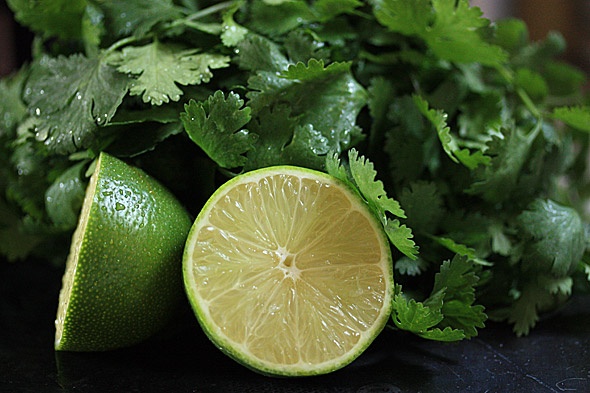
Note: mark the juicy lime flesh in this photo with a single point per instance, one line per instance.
(123, 274)
(289, 272)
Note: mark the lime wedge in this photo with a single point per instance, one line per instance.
(123, 276)
(288, 271)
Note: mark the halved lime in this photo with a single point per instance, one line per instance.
(288, 271)
(123, 277)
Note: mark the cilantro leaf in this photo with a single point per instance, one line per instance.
(459, 249)
(328, 9)
(276, 18)
(280, 17)
(137, 17)
(160, 67)
(333, 98)
(423, 206)
(509, 152)
(563, 79)
(532, 83)
(410, 267)
(12, 109)
(456, 34)
(215, 125)
(450, 28)
(260, 55)
(50, 18)
(405, 17)
(449, 143)
(333, 167)
(524, 311)
(401, 237)
(15, 242)
(458, 280)
(281, 140)
(361, 174)
(231, 32)
(577, 116)
(421, 318)
(555, 238)
(63, 199)
(69, 97)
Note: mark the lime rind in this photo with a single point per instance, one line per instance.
(123, 277)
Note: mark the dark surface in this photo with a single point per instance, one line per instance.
(554, 358)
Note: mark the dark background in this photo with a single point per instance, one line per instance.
(554, 358)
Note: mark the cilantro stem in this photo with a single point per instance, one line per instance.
(188, 21)
(528, 103)
(120, 43)
(522, 94)
(209, 10)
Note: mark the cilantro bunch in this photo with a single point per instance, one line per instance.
(469, 141)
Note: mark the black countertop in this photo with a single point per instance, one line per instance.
(554, 358)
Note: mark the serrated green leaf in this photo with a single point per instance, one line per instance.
(458, 280)
(455, 35)
(276, 18)
(137, 17)
(334, 168)
(421, 318)
(12, 109)
(449, 143)
(423, 206)
(405, 17)
(448, 334)
(260, 55)
(574, 116)
(69, 97)
(555, 237)
(557, 285)
(414, 316)
(459, 249)
(361, 175)
(313, 70)
(450, 28)
(281, 140)
(50, 18)
(364, 174)
(215, 125)
(63, 199)
(509, 153)
(231, 32)
(333, 98)
(401, 237)
(524, 311)
(563, 79)
(532, 83)
(160, 68)
(410, 267)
